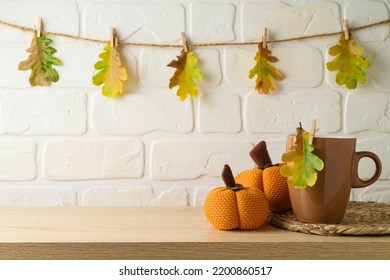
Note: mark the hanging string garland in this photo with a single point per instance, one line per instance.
(112, 74)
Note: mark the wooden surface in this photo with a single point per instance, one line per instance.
(161, 233)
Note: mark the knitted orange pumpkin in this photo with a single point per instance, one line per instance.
(235, 206)
(266, 177)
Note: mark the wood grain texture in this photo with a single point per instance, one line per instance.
(161, 233)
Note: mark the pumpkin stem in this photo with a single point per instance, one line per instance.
(260, 155)
(227, 177)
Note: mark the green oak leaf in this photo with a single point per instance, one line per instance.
(301, 164)
(349, 63)
(41, 61)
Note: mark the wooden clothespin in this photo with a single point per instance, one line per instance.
(264, 38)
(312, 131)
(184, 41)
(39, 27)
(113, 38)
(344, 23)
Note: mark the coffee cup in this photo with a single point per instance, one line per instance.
(326, 201)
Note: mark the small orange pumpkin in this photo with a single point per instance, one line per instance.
(235, 206)
(266, 177)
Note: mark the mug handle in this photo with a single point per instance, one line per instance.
(359, 183)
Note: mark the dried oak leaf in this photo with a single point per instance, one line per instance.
(349, 62)
(301, 164)
(185, 75)
(41, 61)
(111, 73)
(265, 72)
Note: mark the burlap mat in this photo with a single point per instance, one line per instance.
(361, 218)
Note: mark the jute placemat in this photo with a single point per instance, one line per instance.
(361, 218)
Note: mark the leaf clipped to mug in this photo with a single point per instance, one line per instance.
(301, 163)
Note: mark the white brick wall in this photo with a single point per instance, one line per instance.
(68, 145)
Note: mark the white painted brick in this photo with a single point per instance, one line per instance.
(136, 23)
(282, 112)
(238, 62)
(42, 113)
(309, 74)
(41, 196)
(210, 66)
(367, 111)
(285, 21)
(198, 194)
(11, 56)
(139, 113)
(155, 61)
(93, 159)
(378, 192)
(17, 160)
(219, 112)
(135, 196)
(56, 17)
(190, 159)
(298, 75)
(365, 13)
(381, 68)
(379, 146)
(212, 22)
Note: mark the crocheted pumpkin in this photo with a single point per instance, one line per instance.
(266, 177)
(235, 206)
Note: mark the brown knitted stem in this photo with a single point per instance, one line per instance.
(227, 177)
(260, 155)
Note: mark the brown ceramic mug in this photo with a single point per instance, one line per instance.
(326, 201)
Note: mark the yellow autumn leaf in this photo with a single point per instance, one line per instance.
(301, 163)
(111, 73)
(349, 63)
(186, 74)
(265, 72)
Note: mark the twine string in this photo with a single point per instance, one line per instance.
(27, 29)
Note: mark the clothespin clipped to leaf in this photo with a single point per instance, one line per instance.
(113, 39)
(344, 23)
(264, 71)
(111, 73)
(264, 37)
(184, 42)
(187, 73)
(312, 131)
(39, 27)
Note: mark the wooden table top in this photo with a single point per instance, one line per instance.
(162, 233)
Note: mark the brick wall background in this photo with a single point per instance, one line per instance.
(68, 145)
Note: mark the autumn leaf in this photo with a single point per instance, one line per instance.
(111, 73)
(41, 61)
(265, 72)
(186, 74)
(301, 164)
(349, 62)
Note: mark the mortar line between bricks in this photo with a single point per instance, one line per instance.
(27, 29)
